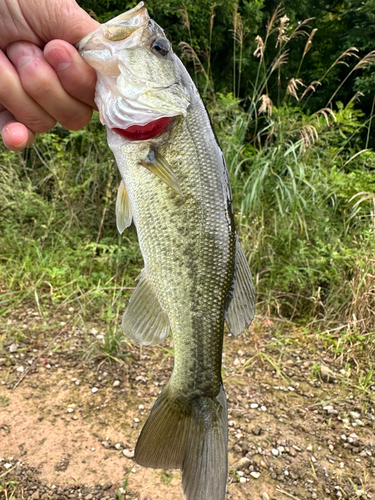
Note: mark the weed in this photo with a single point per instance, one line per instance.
(8, 487)
(121, 492)
(166, 477)
(315, 370)
(4, 401)
(302, 189)
(264, 357)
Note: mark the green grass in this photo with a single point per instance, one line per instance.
(8, 486)
(302, 189)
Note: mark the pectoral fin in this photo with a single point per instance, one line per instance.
(155, 163)
(144, 321)
(241, 309)
(123, 208)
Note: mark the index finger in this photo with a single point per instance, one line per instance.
(76, 76)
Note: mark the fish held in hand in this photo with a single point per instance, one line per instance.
(175, 187)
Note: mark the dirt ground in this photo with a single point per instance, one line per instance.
(301, 426)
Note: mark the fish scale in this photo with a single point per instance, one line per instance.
(175, 188)
(202, 213)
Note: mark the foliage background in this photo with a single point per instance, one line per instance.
(302, 167)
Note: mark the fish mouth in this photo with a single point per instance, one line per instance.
(144, 132)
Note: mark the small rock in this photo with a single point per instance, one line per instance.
(21, 369)
(128, 453)
(254, 405)
(243, 463)
(294, 474)
(309, 448)
(326, 374)
(118, 446)
(255, 475)
(116, 383)
(275, 452)
(13, 348)
(332, 412)
(257, 430)
(353, 437)
(354, 414)
(35, 495)
(243, 479)
(265, 496)
(94, 390)
(89, 497)
(3, 361)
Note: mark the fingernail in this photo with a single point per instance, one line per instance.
(20, 54)
(59, 59)
(14, 136)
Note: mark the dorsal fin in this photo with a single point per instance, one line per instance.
(241, 309)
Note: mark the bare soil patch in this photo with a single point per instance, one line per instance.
(300, 425)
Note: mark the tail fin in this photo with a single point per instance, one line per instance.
(190, 435)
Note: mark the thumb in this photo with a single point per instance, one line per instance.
(71, 24)
(56, 19)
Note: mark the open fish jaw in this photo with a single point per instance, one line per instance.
(133, 88)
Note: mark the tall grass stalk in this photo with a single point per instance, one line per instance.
(301, 182)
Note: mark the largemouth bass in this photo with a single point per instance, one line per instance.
(175, 187)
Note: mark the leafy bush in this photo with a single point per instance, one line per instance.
(58, 231)
(302, 185)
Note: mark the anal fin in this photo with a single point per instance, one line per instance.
(241, 309)
(144, 320)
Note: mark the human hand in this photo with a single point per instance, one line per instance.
(37, 89)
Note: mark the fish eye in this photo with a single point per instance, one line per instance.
(161, 46)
